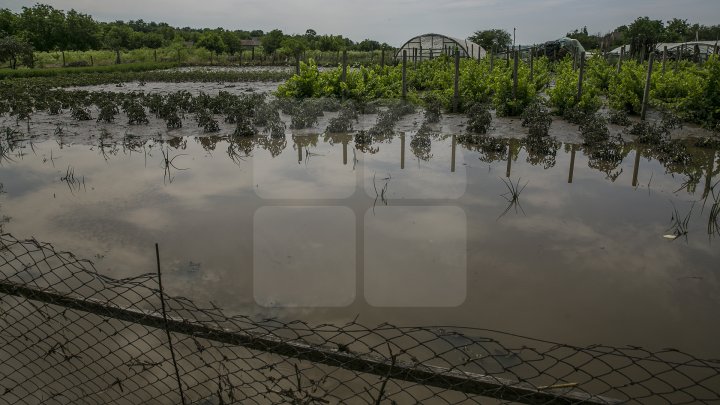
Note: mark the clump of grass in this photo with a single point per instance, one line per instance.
(344, 121)
(536, 117)
(433, 108)
(135, 112)
(679, 224)
(594, 129)
(619, 117)
(80, 113)
(512, 196)
(108, 110)
(479, 118)
(206, 121)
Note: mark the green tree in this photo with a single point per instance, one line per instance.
(232, 41)
(295, 46)
(586, 40)
(44, 27)
(644, 34)
(81, 31)
(272, 41)
(213, 42)
(492, 39)
(117, 38)
(8, 22)
(677, 30)
(13, 48)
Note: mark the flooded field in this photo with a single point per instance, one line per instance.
(554, 243)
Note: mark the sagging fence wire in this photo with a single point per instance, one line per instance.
(71, 335)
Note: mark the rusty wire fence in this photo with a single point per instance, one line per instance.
(70, 335)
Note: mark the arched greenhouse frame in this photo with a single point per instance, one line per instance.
(429, 46)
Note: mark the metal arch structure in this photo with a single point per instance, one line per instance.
(431, 45)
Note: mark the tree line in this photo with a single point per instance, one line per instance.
(44, 28)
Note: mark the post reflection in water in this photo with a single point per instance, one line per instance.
(402, 150)
(452, 162)
(636, 167)
(572, 163)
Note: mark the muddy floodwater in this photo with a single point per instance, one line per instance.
(320, 228)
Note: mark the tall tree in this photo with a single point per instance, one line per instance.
(117, 38)
(271, 42)
(81, 31)
(213, 42)
(43, 26)
(492, 39)
(8, 22)
(13, 48)
(643, 34)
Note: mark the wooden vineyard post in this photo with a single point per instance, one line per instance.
(507, 56)
(155, 54)
(92, 62)
(456, 88)
(515, 74)
(646, 93)
(252, 53)
(492, 58)
(414, 57)
(620, 59)
(404, 74)
(664, 60)
(344, 65)
(581, 73)
(532, 65)
(696, 51)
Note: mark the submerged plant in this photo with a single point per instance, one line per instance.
(479, 118)
(512, 196)
(536, 117)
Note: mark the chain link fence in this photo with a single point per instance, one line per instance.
(69, 335)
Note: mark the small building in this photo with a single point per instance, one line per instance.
(429, 46)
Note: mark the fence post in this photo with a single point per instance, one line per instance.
(155, 54)
(581, 73)
(622, 53)
(252, 53)
(532, 64)
(664, 58)
(492, 58)
(646, 93)
(456, 93)
(515, 74)
(344, 65)
(167, 330)
(404, 75)
(696, 51)
(507, 56)
(92, 61)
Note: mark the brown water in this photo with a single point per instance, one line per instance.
(311, 227)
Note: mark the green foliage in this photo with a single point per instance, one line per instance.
(479, 118)
(536, 118)
(212, 41)
(626, 89)
(564, 95)
(503, 100)
(272, 41)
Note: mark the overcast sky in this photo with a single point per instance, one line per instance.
(394, 21)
